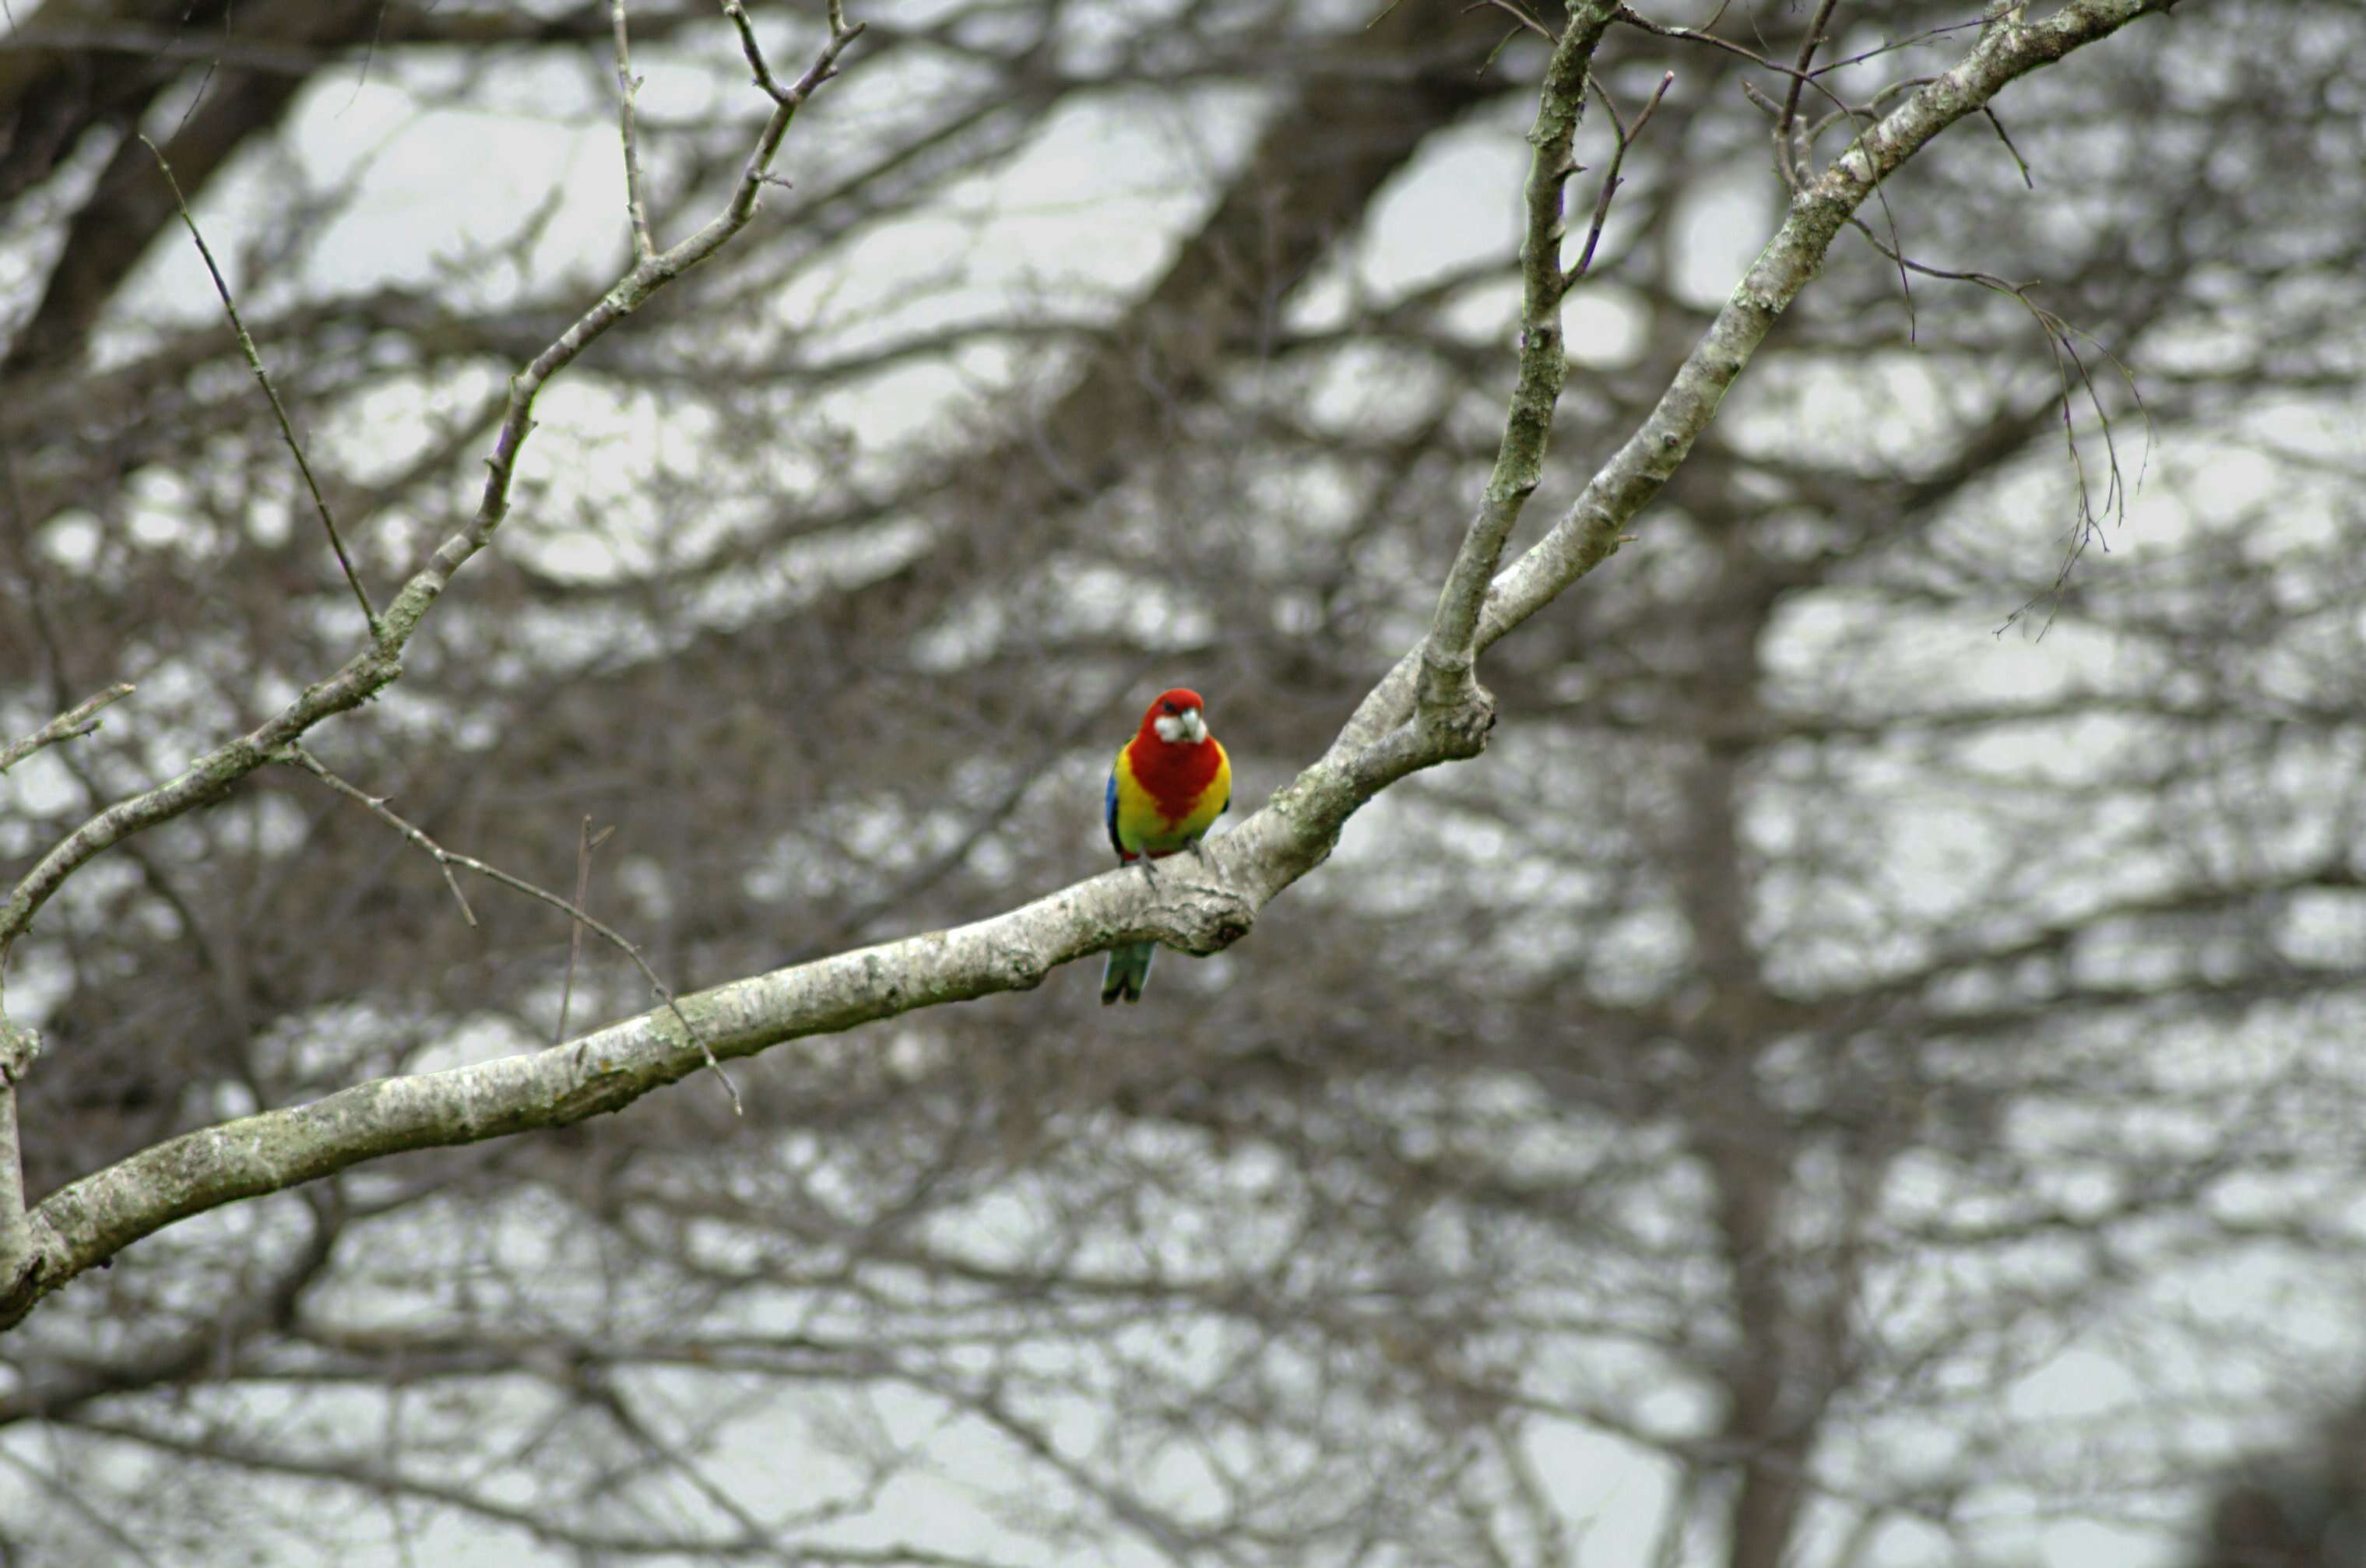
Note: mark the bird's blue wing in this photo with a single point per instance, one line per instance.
(1109, 812)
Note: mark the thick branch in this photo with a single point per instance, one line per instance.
(1196, 909)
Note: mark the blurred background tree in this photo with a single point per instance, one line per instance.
(1860, 1074)
(2301, 1505)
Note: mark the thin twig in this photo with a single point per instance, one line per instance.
(636, 207)
(1625, 134)
(1843, 109)
(1889, 46)
(1634, 18)
(297, 757)
(2018, 161)
(70, 725)
(748, 46)
(584, 845)
(1872, 105)
(1525, 21)
(2071, 372)
(1493, 54)
(1808, 46)
(254, 361)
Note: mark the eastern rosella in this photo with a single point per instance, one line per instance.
(1168, 787)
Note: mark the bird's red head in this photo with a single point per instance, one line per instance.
(1176, 717)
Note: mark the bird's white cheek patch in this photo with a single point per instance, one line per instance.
(1186, 727)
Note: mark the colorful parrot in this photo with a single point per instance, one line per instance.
(1168, 785)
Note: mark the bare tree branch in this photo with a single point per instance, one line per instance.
(637, 209)
(1625, 135)
(1445, 659)
(1589, 533)
(585, 843)
(1784, 157)
(74, 723)
(213, 774)
(1197, 908)
(297, 757)
(278, 410)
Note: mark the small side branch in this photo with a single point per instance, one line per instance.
(1790, 156)
(587, 843)
(73, 724)
(636, 207)
(752, 49)
(1625, 134)
(824, 67)
(1521, 16)
(298, 758)
(1785, 156)
(2027, 179)
(279, 410)
(19, 1046)
(2076, 378)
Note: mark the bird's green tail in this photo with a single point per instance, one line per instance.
(1127, 972)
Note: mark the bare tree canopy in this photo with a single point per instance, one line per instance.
(1782, 584)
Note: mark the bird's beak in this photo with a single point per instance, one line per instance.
(1195, 728)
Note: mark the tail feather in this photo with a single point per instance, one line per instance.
(1127, 972)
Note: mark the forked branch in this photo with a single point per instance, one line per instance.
(1625, 135)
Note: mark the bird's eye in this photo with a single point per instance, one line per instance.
(1172, 708)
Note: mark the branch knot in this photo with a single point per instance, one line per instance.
(1458, 731)
(1195, 911)
(20, 1045)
